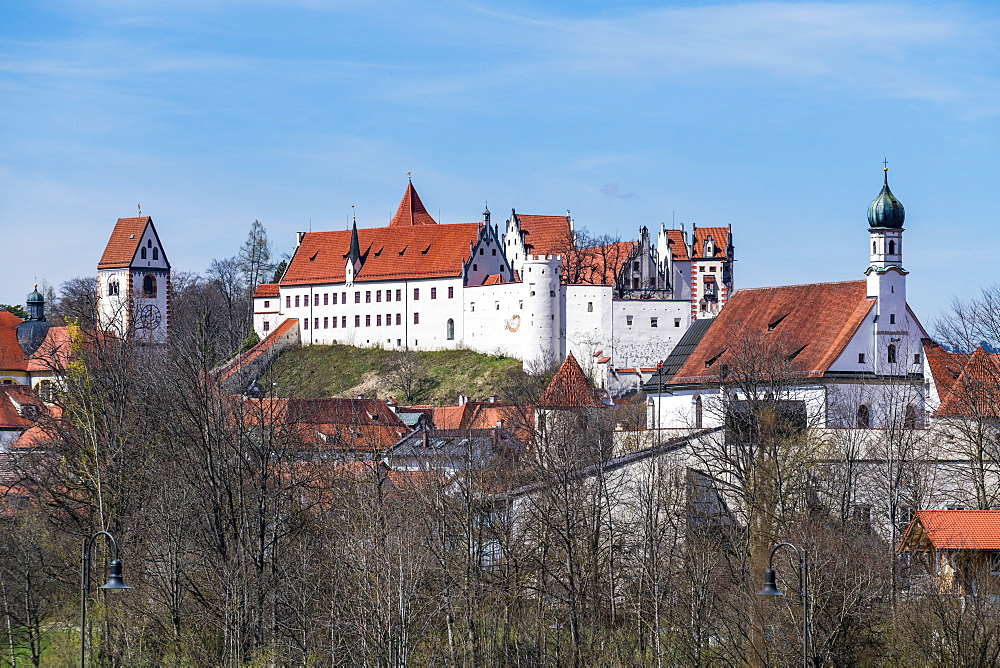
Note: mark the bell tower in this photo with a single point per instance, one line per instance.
(886, 276)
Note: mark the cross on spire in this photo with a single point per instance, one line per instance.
(885, 164)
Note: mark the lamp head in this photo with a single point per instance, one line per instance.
(115, 580)
(770, 588)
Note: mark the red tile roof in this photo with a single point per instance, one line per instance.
(599, 265)
(953, 530)
(228, 369)
(546, 235)
(675, 242)
(945, 366)
(337, 424)
(420, 251)
(720, 236)
(976, 390)
(11, 356)
(411, 210)
(814, 321)
(55, 351)
(266, 290)
(19, 407)
(124, 242)
(569, 388)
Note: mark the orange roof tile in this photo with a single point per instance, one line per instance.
(11, 356)
(976, 391)
(18, 407)
(53, 355)
(953, 530)
(337, 424)
(720, 235)
(675, 242)
(124, 242)
(569, 388)
(266, 290)
(945, 366)
(229, 368)
(421, 251)
(599, 265)
(546, 235)
(817, 320)
(411, 210)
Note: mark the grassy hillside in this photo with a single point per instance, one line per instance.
(345, 371)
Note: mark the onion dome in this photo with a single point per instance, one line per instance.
(885, 210)
(32, 331)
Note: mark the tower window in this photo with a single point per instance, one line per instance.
(628, 320)
(142, 253)
(916, 358)
(677, 322)
(891, 356)
(910, 417)
(861, 358)
(654, 322)
(892, 318)
(698, 413)
(892, 247)
(873, 248)
(112, 288)
(590, 307)
(149, 286)
(156, 253)
(267, 303)
(863, 418)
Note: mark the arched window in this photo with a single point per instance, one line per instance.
(892, 247)
(149, 286)
(44, 390)
(910, 417)
(142, 253)
(112, 288)
(864, 417)
(156, 253)
(892, 353)
(590, 307)
(698, 413)
(451, 329)
(873, 248)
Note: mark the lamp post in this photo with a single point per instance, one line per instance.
(115, 581)
(771, 589)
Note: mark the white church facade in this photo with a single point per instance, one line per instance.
(526, 292)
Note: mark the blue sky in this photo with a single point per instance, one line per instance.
(773, 117)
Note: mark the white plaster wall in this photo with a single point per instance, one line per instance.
(495, 319)
(640, 343)
(588, 320)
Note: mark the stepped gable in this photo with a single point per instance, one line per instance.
(720, 237)
(418, 251)
(953, 530)
(976, 390)
(411, 210)
(816, 320)
(546, 235)
(569, 388)
(124, 242)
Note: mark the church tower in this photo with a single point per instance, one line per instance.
(133, 283)
(886, 276)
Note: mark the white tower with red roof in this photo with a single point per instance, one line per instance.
(133, 283)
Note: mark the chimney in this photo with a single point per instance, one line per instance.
(361, 396)
(494, 398)
(462, 399)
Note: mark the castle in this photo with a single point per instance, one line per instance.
(527, 293)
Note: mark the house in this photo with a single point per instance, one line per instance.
(33, 352)
(954, 551)
(527, 292)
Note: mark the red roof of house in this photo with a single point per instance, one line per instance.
(18, 407)
(266, 290)
(675, 242)
(569, 388)
(952, 530)
(720, 236)
(53, 355)
(124, 242)
(227, 370)
(418, 251)
(945, 366)
(411, 210)
(975, 392)
(599, 265)
(337, 424)
(546, 235)
(812, 322)
(11, 355)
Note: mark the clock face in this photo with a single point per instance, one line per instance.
(149, 317)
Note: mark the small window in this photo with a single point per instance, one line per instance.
(388, 319)
(378, 320)
(388, 295)
(416, 318)
(357, 321)
(416, 294)
(399, 295)
(288, 301)
(335, 322)
(873, 248)
(113, 289)
(482, 251)
(653, 322)
(892, 247)
(378, 295)
(450, 330)
(434, 293)
(498, 306)
(44, 389)
(635, 266)
(399, 318)
(357, 297)
(316, 323)
(326, 323)
(343, 321)
(475, 267)
(916, 358)
(156, 253)
(142, 253)
(712, 269)
(472, 307)
(628, 320)
(520, 304)
(334, 295)
(149, 243)
(149, 286)
(677, 322)
(296, 301)
(267, 326)
(861, 358)
(305, 323)
(892, 318)
(552, 293)
(368, 296)
(267, 303)
(343, 298)
(316, 299)
(863, 418)
(494, 251)
(590, 307)
(701, 268)
(368, 321)
(326, 298)
(698, 413)
(451, 292)
(891, 356)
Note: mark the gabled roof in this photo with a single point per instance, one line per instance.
(599, 265)
(266, 290)
(720, 237)
(679, 249)
(337, 424)
(411, 210)
(976, 390)
(813, 321)
(418, 251)
(678, 356)
(11, 355)
(545, 235)
(952, 530)
(18, 407)
(569, 388)
(51, 355)
(124, 242)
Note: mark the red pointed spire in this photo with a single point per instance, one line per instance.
(411, 210)
(569, 388)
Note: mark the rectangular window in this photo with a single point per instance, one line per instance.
(326, 299)
(434, 293)
(326, 323)
(368, 296)
(316, 323)
(399, 295)
(305, 323)
(416, 294)
(712, 269)
(916, 358)
(335, 322)
(267, 325)
(288, 302)
(357, 297)
(388, 319)
(892, 318)
(378, 295)
(368, 321)
(357, 321)
(296, 300)
(378, 320)
(343, 298)
(343, 321)
(416, 318)
(653, 322)
(267, 304)
(861, 358)
(628, 320)
(399, 318)
(388, 295)
(316, 299)
(451, 292)
(335, 298)
(677, 322)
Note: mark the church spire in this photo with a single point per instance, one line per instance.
(354, 255)
(411, 210)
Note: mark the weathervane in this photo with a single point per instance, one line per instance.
(140, 208)
(885, 164)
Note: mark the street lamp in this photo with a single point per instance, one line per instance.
(770, 588)
(115, 581)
